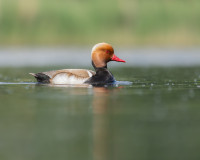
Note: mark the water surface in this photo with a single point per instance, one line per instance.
(157, 117)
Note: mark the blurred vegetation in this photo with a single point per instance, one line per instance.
(125, 22)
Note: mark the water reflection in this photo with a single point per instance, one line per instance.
(102, 136)
(102, 127)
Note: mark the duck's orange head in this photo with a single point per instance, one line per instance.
(102, 53)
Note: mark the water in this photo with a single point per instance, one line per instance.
(155, 117)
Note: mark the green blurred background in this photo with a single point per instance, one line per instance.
(80, 22)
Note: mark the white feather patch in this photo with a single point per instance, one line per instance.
(89, 73)
(64, 78)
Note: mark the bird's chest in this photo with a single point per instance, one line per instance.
(101, 77)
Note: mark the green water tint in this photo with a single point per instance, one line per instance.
(157, 117)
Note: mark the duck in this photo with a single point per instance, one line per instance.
(101, 54)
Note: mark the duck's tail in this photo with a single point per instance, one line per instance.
(41, 77)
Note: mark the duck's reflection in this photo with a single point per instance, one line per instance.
(102, 124)
(102, 99)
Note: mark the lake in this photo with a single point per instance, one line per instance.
(155, 118)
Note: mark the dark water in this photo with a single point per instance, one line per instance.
(155, 118)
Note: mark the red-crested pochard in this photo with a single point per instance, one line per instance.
(102, 53)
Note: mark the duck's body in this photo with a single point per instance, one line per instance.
(64, 76)
(101, 54)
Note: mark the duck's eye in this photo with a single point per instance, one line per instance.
(107, 51)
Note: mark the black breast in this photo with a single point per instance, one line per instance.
(102, 76)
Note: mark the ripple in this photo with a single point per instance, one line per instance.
(14, 83)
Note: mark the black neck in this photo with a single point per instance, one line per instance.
(102, 76)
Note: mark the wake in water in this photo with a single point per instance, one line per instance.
(21, 83)
(115, 84)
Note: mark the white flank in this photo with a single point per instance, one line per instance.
(64, 78)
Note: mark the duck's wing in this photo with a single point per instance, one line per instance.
(64, 76)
